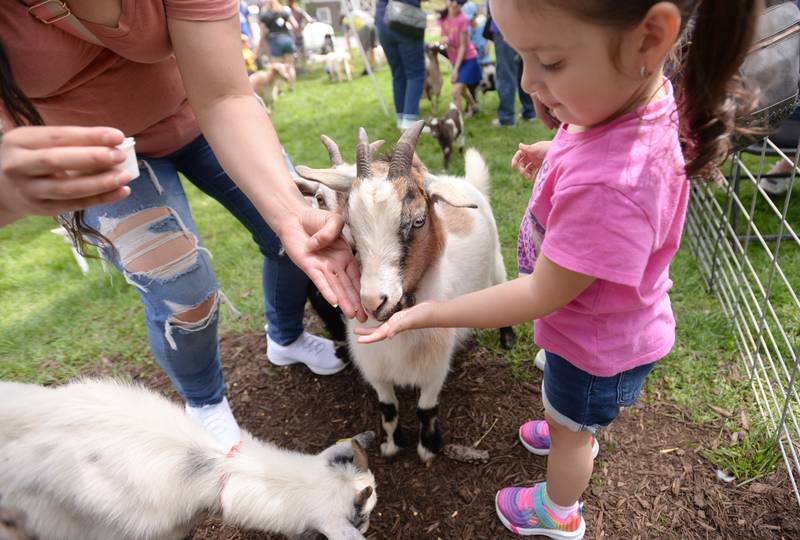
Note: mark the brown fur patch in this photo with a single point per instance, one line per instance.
(457, 221)
(426, 243)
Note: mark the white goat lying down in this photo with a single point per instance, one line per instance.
(107, 460)
(417, 237)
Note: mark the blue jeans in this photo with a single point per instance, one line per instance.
(509, 74)
(155, 219)
(406, 57)
(581, 401)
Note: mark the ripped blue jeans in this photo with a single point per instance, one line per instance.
(159, 251)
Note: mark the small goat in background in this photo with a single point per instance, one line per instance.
(336, 65)
(417, 237)
(103, 460)
(449, 130)
(433, 75)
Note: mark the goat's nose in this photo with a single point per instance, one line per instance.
(373, 304)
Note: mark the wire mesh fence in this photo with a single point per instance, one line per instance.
(746, 243)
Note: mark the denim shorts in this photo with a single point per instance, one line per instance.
(580, 401)
(281, 45)
(470, 72)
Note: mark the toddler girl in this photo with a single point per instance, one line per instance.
(461, 53)
(605, 216)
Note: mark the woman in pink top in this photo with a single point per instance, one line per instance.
(170, 74)
(604, 218)
(461, 53)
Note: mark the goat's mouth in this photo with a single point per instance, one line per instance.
(406, 301)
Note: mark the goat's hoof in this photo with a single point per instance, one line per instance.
(425, 455)
(507, 337)
(389, 449)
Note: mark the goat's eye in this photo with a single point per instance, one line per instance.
(419, 222)
(320, 200)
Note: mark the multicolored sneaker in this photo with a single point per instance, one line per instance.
(535, 437)
(524, 511)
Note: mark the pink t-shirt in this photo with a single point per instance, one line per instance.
(131, 82)
(610, 203)
(451, 29)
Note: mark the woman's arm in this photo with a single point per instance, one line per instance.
(526, 298)
(245, 142)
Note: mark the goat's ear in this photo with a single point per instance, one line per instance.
(333, 178)
(447, 192)
(363, 496)
(360, 459)
(307, 187)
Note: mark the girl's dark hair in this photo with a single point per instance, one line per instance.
(710, 94)
(23, 113)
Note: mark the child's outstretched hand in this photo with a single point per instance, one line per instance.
(418, 316)
(529, 158)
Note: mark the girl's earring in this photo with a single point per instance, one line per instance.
(643, 72)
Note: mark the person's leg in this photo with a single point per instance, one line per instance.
(413, 52)
(506, 80)
(285, 285)
(570, 463)
(157, 248)
(394, 57)
(455, 95)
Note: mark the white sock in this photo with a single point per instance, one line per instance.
(218, 420)
(561, 512)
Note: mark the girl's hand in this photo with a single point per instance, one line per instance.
(529, 158)
(313, 241)
(454, 76)
(47, 170)
(419, 316)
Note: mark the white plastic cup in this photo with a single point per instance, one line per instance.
(130, 164)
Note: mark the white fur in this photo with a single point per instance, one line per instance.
(336, 63)
(107, 460)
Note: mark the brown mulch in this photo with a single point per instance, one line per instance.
(650, 479)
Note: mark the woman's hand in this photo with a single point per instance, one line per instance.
(48, 170)
(529, 158)
(313, 241)
(419, 316)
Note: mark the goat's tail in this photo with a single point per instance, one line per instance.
(476, 171)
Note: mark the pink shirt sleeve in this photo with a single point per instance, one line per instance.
(598, 231)
(201, 10)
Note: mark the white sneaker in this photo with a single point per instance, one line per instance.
(318, 354)
(218, 420)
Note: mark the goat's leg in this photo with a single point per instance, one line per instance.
(431, 441)
(332, 318)
(390, 418)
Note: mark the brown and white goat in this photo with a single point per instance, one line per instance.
(449, 131)
(432, 88)
(99, 460)
(417, 237)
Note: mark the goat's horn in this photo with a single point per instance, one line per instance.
(403, 155)
(333, 150)
(362, 155)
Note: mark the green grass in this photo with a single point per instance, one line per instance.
(55, 323)
(753, 457)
